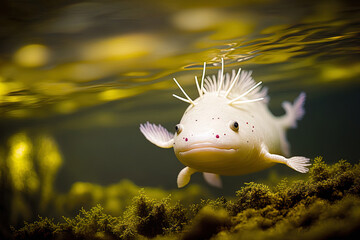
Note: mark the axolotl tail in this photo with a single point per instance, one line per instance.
(294, 112)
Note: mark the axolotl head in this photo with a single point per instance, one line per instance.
(209, 137)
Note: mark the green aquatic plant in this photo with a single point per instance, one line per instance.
(151, 218)
(208, 222)
(326, 205)
(90, 223)
(44, 228)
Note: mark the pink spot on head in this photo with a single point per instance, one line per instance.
(186, 139)
(217, 136)
(224, 134)
(247, 122)
(253, 126)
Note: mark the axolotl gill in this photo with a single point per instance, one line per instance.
(229, 130)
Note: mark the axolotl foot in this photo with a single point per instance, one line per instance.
(185, 174)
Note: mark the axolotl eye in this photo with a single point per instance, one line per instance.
(178, 128)
(234, 126)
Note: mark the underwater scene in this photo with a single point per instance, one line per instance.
(77, 78)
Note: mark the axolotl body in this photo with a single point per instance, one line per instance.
(229, 130)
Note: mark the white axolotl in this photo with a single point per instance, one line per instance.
(229, 129)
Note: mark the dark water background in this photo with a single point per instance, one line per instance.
(79, 77)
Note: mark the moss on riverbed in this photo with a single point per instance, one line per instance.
(326, 205)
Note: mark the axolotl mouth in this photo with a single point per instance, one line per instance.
(206, 147)
(209, 157)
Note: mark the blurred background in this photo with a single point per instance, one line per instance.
(78, 77)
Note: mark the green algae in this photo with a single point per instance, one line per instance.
(325, 205)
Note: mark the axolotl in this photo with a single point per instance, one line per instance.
(229, 130)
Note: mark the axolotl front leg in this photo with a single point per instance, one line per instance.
(161, 137)
(185, 174)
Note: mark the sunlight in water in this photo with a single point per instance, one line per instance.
(33, 55)
(338, 73)
(49, 160)
(21, 165)
(115, 94)
(32, 163)
(119, 47)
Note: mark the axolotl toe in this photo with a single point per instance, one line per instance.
(229, 130)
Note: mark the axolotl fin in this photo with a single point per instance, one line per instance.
(157, 135)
